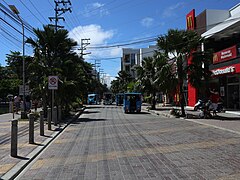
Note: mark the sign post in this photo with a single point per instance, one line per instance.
(53, 85)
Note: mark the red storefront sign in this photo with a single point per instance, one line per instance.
(190, 18)
(225, 55)
(233, 69)
(192, 92)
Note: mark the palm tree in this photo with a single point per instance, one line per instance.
(180, 44)
(147, 75)
(165, 77)
(155, 75)
(54, 55)
(124, 79)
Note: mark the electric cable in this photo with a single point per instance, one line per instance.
(38, 11)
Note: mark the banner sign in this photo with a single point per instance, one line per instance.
(52, 82)
(225, 55)
(226, 70)
(190, 18)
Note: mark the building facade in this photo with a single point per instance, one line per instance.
(132, 57)
(221, 29)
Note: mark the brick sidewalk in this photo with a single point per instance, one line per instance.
(229, 121)
(105, 143)
(9, 166)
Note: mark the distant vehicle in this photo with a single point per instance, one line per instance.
(119, 99)
(93, 99)
(132, 102)
(107, 98)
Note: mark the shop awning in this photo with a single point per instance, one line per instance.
(225, 29)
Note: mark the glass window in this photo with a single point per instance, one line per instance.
(233, 79)
(127, 58)
(127, 68)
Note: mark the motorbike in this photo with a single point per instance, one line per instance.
(208, 107)
(205, 110)
(219, 107)
(199, 105)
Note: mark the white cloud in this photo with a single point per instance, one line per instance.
(95, 9)
(95, 32)
(147, 22)
(98, 37)
(170, 11)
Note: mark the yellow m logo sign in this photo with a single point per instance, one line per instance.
(190, 22)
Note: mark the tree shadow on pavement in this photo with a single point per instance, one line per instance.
(226, 118)
(138, 113)
(216, 117)
(81, 120)
(90, 112)
(94, 107)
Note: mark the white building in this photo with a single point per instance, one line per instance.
(133, 57)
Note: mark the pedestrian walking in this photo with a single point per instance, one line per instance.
(17, 101)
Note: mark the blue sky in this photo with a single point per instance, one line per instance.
(105, 22)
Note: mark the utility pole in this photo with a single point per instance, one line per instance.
(97, 65)
(84, 44)
(101, 72)
(61, 6)
(103, 78)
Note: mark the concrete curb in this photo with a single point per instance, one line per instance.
(16, 170)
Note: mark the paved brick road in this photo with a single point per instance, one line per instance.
(104, 143)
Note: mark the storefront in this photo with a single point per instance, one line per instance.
(221, 29)
(227, 81)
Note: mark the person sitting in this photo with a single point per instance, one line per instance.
(214, 97)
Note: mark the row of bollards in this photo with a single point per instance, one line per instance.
(14, 128)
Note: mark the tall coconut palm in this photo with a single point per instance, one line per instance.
(165, 77)
(54, 55)
(155, 75)
(124, 79)
(180, 44)
(147, 75)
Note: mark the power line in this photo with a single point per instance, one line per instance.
(152, 39)
(13, 17)
(38, 12)
(9, 34)
(31, 12)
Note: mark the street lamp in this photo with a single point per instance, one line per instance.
(16, 12)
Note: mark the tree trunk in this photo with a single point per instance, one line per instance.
(182, 101)
(180, 76)
(153, 102)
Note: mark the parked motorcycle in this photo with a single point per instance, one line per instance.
(199, 105)
(205, 111)
(219, 107)
(208, 107)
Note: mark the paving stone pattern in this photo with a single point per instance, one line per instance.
(104, 143)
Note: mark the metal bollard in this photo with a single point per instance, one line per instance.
(31, 128)
(41, 124)
(55, 116)
(49, 114)
(14, 138)
(59, 113)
